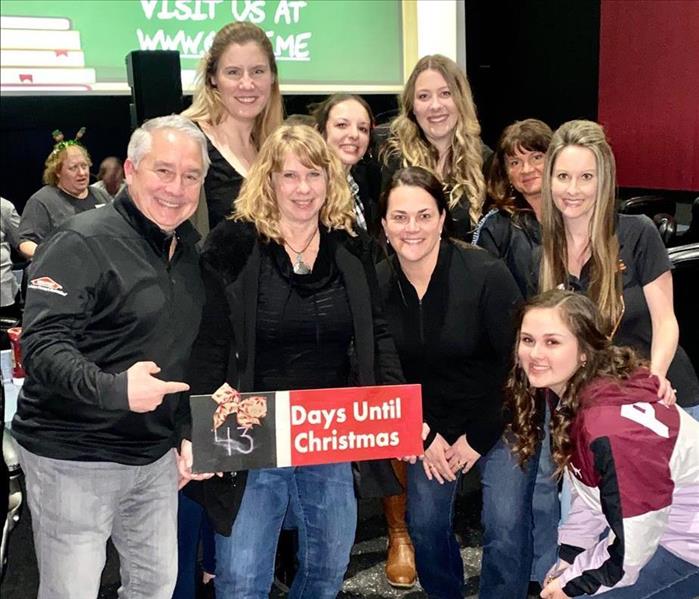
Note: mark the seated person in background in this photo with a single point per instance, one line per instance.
(300, 119)
(9, 238)
(65, 193)
(632, 461)
(110, 177)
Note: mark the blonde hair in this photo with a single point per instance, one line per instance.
(207, 105)
(257, 202)
(54, 161)
(605, 281)
(463, 178)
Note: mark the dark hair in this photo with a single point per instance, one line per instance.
(321, 110)
(110, 162)
(602, 359)
(532, 135)
(300, 119)
(416, 176)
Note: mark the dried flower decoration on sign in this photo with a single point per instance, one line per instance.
(248, 411)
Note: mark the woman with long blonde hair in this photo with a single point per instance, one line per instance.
(618, 260)
(437, 129)
(237, 104)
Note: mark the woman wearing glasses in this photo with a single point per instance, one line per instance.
(511, 229)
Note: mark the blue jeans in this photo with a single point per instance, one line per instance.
(506, 519)
(665, 576)
(693, 411)
(546, 509)
(192, 525)
(320, 503)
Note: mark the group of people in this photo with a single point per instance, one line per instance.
(322, 266)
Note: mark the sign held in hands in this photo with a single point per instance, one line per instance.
(234, 431)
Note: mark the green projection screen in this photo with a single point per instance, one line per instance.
(58, 46)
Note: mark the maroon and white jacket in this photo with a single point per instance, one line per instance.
(634, 471)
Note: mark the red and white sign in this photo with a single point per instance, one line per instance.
(238, 431)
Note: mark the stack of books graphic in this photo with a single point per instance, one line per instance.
(42, 54)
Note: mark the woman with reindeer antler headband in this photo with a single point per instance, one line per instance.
(66, 192)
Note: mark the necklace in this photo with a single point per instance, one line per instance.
(300, 267)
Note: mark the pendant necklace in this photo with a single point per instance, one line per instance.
(300, 267)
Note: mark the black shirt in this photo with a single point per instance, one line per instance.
(222, 185)
(304, 324)
(103, 295)
(457, 341)
(645, 258)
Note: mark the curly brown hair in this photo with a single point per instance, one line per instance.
(530, 135)
(602, 359)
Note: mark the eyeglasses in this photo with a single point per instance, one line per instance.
(515, 163)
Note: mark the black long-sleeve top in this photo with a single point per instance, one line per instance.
(457, 341)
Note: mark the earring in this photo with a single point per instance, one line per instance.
(583, 363)
(388, 241)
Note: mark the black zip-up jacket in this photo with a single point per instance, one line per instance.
(102, 295)
(456, 341)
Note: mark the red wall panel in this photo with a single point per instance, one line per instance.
(649, 91)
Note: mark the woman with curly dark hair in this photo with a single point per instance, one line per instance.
(633, 462)
(510, 229)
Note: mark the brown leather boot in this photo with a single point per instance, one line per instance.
(400, 563)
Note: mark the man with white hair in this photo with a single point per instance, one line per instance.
(113, 305)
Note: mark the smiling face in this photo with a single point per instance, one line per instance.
(300, 191)
(165, 185)
(434, 108)
(547, 350)
(574, 183)
(347, 131)
(525, 169)
(74, 174)
(244, 80)
(413, 224)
